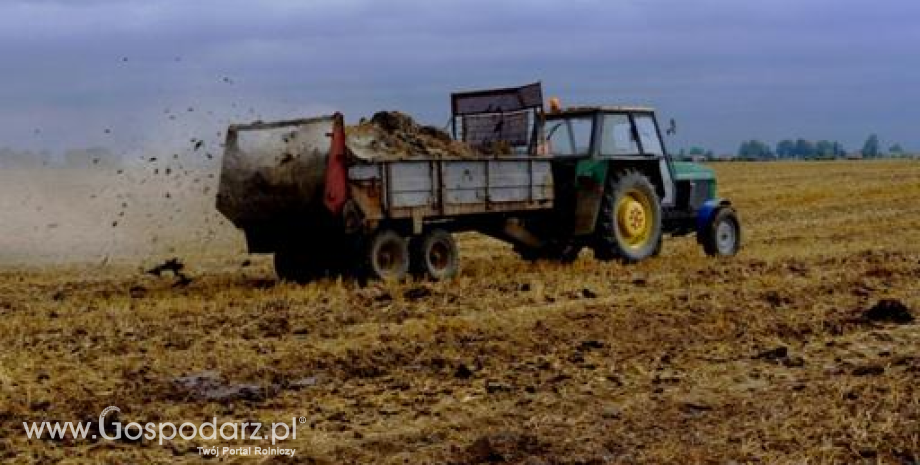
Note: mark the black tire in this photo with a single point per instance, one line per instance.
(563, 253)
(295, 266)
(722, 236)
(435, 255)
(568, 253)
(527, 253)
(387, 256)
(629, 221)
(658, 246)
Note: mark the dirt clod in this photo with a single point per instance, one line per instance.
(59, 295)
(137, 292)
(889, 311)
(868, 370)
(775, 299)
(173, 265)
(495, 387)
(590, 345)
(780, 355)
(502, 447)
(463, 372)
(588, 293)
(775, 354)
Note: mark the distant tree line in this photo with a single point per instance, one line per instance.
(799, 149)
(812, 150)
(789, 149)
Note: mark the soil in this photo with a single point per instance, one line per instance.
(767, 357)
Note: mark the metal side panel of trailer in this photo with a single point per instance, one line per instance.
(441, 188)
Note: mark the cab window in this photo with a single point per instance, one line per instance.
(570, 136)
(648, 134)
(619, 137)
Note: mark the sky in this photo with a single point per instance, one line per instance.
(130, 74)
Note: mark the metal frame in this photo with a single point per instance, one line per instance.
(534, 106)
(373, 191)
(278, 124)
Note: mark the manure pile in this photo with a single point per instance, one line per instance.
(395, 135)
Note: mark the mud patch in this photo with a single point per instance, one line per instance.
(210, 386)
(503, 447)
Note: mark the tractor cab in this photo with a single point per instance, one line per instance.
(604, 132)
(596, 138)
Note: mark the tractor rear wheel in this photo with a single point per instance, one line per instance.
(722, 236)
(526, 253)
(387, 256)
(658, 246)
(435, 254)
(568, 253)
(629, 222)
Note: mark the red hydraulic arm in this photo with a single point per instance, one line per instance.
(336, 170)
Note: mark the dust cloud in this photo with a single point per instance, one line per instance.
(136, 210)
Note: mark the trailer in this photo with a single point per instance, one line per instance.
(324, 200)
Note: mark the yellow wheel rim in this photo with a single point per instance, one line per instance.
(634, 218)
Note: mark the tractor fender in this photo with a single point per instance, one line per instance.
(707, 211)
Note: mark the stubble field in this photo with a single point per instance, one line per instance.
(768, 357)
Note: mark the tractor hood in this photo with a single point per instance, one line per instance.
(688, 171)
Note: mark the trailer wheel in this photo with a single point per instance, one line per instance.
(294, 266)
(722, 236)
(435, 254)
(629, 223)
(387, 256)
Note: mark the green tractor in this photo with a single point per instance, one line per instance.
(618, 191)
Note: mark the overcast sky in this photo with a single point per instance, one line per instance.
(130, 73)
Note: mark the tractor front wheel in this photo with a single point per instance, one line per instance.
(629, 222)
(722, 236)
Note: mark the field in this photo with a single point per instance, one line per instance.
(764, 358)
